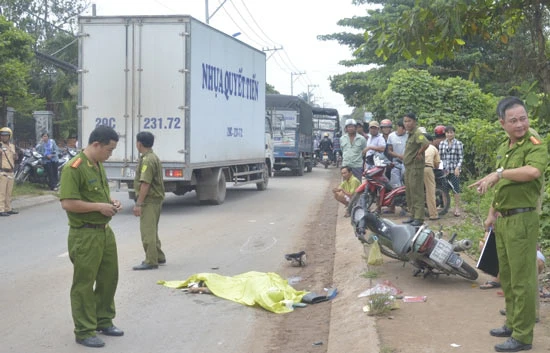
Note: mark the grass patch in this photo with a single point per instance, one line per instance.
(386, 349)
(29, 189)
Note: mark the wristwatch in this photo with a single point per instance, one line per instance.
(499, 172)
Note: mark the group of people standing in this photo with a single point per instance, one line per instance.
(408, 148)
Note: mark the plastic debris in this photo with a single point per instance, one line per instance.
(415, 299)
(318, 343)
(385, 287)
(454, 345)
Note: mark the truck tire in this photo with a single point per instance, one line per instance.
(212, 190)
(300, 170)
(221, 190)
(263, 184)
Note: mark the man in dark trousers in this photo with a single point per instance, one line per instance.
(86, 197)
(149, 186)
(521, 161)
(414, 162)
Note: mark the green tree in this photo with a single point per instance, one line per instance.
(15, 58)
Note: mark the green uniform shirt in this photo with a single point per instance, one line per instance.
(511, 194)
(149, 170)
(350, 185)
(414, 143)
(82, 180)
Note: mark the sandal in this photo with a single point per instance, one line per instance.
(489, 285)
(457, 214)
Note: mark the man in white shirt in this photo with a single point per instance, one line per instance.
(375, 143)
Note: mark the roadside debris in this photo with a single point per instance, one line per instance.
(297, 259)
(415, 299)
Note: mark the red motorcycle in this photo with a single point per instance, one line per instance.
(381, 192)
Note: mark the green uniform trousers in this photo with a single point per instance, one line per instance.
(93, 253)
(416, 198)
(148, 226)
(516, 240)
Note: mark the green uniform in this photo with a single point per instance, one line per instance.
(92, 251)
(414, 174)
(516, 235)
(149, 170)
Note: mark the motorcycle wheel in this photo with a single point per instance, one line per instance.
(22, 175)
(467, 271)
(442, 202)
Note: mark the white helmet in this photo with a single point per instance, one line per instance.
(350, 122)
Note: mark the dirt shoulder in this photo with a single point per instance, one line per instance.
(457, 315)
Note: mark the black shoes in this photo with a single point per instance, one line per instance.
(111, 331)
(512, 345)
(162, 262)
(501, 332)
(410, 220)
(417, 223)
(145, 266)
(93, 341)
(13, 212)
(4, 214)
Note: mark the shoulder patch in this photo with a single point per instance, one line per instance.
(76, 162)
(534, 140)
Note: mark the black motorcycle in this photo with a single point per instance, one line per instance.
(31, 168)
(426, 250)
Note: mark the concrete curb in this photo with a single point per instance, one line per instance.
(351, 330)
(27, 201)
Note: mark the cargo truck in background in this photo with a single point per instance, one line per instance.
(292, 120)
(199, 91)
(325, 120)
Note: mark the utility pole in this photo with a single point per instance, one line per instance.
(274, 49)
(207, 16)
(292, 74)
(309, 100)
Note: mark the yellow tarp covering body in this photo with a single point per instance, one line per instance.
(268, 290)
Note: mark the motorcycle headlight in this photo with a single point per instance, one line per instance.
(358, 214)
(36, 155)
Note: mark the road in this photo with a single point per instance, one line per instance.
(252, 230)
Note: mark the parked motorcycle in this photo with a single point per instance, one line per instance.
(380, 191)
(31, 168)
(427, 251)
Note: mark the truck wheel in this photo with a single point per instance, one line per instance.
(300, 170)
(221, 190)
(263, 184)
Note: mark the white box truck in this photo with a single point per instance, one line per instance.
(199, 91)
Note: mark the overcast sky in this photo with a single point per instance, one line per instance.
(291, 24)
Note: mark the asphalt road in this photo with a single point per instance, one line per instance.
(250, 232)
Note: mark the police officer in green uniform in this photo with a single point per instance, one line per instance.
(517, 182)
(413, 159)
(149, 186)
(85, 195)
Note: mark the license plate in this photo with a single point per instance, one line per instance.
(441, 252)
(455, 260)
(130, 173)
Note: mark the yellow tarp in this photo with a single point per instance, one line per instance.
(268, 290)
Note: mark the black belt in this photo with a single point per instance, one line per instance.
(7, 170)
(428, 166)
(514, 211)
(93, 226)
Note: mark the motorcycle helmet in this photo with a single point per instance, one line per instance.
(5, 131)
(386, 123)
(439, 130)
(350, 122)
(326, 134)
(40, 171)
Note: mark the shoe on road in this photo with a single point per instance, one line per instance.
(13, 212)
(501, 332)
(111, 331)
(410, 220)
(417, 223)
(93, 341)
(162, 262)
(145, 266)
(512, 345)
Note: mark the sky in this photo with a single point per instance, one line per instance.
(292, 25)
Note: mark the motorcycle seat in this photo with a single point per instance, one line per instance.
(402, 236)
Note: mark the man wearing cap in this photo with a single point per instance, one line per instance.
(7, 161)
(375, 143)
(414, 162)
(352, 149)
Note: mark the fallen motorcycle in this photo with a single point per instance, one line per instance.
(427, 251)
